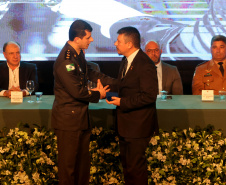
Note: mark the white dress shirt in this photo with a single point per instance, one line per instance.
(13, 79)
(130, 59)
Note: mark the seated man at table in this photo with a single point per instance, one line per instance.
(211, 75)
(93, 66)
(14, 73)
(168, 76)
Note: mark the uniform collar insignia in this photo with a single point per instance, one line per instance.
(68, 55)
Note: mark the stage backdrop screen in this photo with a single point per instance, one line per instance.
(184, 28)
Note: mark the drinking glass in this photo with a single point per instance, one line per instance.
(163, 95)
(91, 85)
(38, 96)
(30, 87)
(222, 95)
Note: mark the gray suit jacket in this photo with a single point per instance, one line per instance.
(171, 80)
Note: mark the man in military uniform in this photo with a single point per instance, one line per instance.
(211, 75)
(70, 108)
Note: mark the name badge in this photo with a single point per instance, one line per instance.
(16, 97)
(207, 95)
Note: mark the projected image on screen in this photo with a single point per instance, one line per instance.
(183, 28)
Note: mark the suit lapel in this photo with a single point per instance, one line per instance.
(164, 74)
(216, 70)
(23, 76)
(133, 63)
(6, 75)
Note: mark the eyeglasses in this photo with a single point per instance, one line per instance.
(153, 50)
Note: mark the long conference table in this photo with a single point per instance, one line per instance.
(182, 111)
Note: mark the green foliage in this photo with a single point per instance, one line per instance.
(28, 157)
(193, 156)
(105, 163)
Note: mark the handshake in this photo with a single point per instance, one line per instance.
(103, 90)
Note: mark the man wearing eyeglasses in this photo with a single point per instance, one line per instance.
(168, 76)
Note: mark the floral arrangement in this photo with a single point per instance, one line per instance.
(105, 162)
(193, 156)
(190, 156)
(28, 157)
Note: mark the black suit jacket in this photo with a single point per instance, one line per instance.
(171, 80)
(136, 116)
(27, 71)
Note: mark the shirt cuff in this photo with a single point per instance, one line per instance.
(2, 92)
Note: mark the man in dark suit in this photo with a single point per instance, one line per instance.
(70, 117)
(14, 73)
(136, 105)
(168, 76)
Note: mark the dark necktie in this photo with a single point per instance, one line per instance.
(221, 68)
(124, 67)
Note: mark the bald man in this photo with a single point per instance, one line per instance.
(14, 73)
(168, 76)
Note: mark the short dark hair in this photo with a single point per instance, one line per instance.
(218, 38)
(77, 29)
(10, 42)
(132, 34)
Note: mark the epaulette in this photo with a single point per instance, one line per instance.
(202, 63)
(67, 55)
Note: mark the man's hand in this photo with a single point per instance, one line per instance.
(115, 101)
(101, 89)
(7, 93)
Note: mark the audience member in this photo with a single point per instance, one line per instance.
(168, 76)
(211, 75)
(14, 73)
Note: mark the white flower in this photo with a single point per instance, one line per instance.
(48, 147)
(192, 135)
(112, 180)
(93, 170)
(207, 181)
(174, 134)
(107, 151)
(161, 157)
(10, 132)
(35, 176)
(2, 150)
(209, 148)
(221, 142)
(196, 147)
(184, 161)
(179, 148)
(188, 145)
(14, 153)
(153, 141)
(165, 134)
